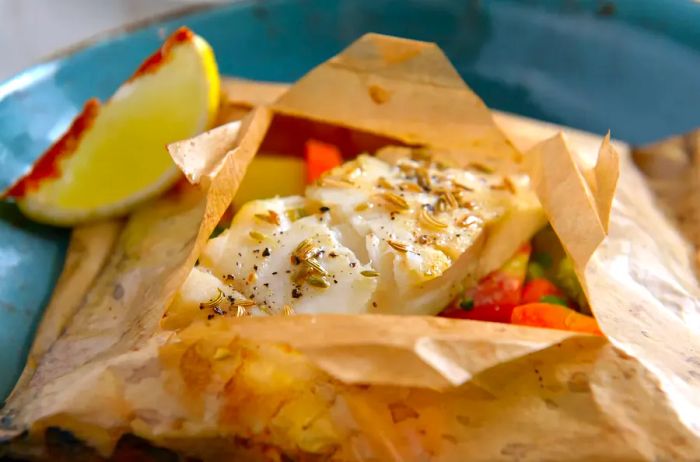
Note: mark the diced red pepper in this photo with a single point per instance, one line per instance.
(535, 289)
(454, 311)
(320, 157)
(554, 317)
(497, 293)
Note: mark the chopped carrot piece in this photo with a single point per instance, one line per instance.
(554, 317)
(320, 157)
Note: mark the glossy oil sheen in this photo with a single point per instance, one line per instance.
(631, 66)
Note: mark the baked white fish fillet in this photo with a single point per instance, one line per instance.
(402, 236)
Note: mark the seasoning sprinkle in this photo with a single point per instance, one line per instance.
(305, 250)
(427, 219)
(244, 302)
(467, 204)
(258, 236)
(369, 274)
(335, 183)
(317, 281)
(271, 217)
(462, 186)
(450, 199)
(423, 179)
(510, 186)
(478, 166)
(398, 246)
(316, 266)
(219, 296)
(384, 183)
(412, 187)
(440, 205)
(395, 200)
(266, 252)
(266, 309)
(287, 310)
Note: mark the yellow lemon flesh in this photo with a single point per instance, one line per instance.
(113, 157)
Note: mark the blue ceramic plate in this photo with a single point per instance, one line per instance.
(629, 65)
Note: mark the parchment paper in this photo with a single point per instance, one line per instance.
(379, 388)
(672, 168)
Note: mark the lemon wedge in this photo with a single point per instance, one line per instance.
(113, 156)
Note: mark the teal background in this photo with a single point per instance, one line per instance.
(630, 66)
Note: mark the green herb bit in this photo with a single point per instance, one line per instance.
(467, 304)
(369, 273)
(554, 300)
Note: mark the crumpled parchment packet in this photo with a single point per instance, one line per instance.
(381, 388)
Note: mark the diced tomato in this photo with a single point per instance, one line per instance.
(554, 317)
(320, 157)
(535, 289)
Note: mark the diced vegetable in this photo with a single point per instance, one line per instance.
(536, 289)
(553, 299)
(535, 270)
(496, 294)
(271, 175)
(320, 157)
(568, 281)
(454, 311)
(554, 317)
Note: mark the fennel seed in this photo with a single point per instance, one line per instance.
(219, 296)
(317, 281)
(427, 219)
(395, 200)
